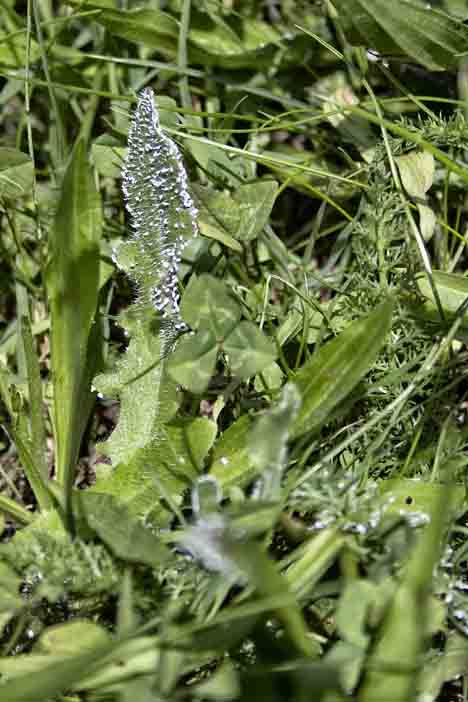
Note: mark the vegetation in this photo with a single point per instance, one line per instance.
(233, 396)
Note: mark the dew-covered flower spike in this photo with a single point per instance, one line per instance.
(163, 216)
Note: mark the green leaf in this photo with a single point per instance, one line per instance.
(162, 468)
(155, 29)
(34, 677)
(452, 289)
(231, 456)
(268, 438)
(224, 684)
(312, 559)
(440, 669)
(16, 173)
(419, 496)
(148, 398)
(72, 288)
(193, 362)
(337, 367)
(240, 216)
(71, 638)
(212, 43)
(208, 302)
(30, 678)
(125, 535)
(108, 156)
(417, 171)
(268, 441)
(249, 351)
(216, 43)
(425, 35)
(402, 637)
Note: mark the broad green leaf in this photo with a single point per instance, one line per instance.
(272, 375)
(72, 288)
(217, 43)
(442, 668)
(30, 678)
(125, 535)
(268, 441)
(417, 171)
(155, 29)
(208, 302)
(457, 8)
(337, 367)
(147, 396)
(39, 677)
(452, 289)
(71, 638)
(231, 457)
(162, 468)
(212, 230)
(248, 350)
(241, 215)
(268, 438)
(425, 35)
(16, 173)
(212, 43)
(402, 637)
(108, 156)
(136, 659)
(193, 361)
(418, 496)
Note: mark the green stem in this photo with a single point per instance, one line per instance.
(15, 510)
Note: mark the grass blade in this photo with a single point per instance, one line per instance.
(73, 282)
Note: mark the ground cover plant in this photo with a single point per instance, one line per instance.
(233, 327)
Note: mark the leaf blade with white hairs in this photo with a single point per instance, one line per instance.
(162, 213)
(163, 220)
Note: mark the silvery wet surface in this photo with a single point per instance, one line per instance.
(163, 215)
